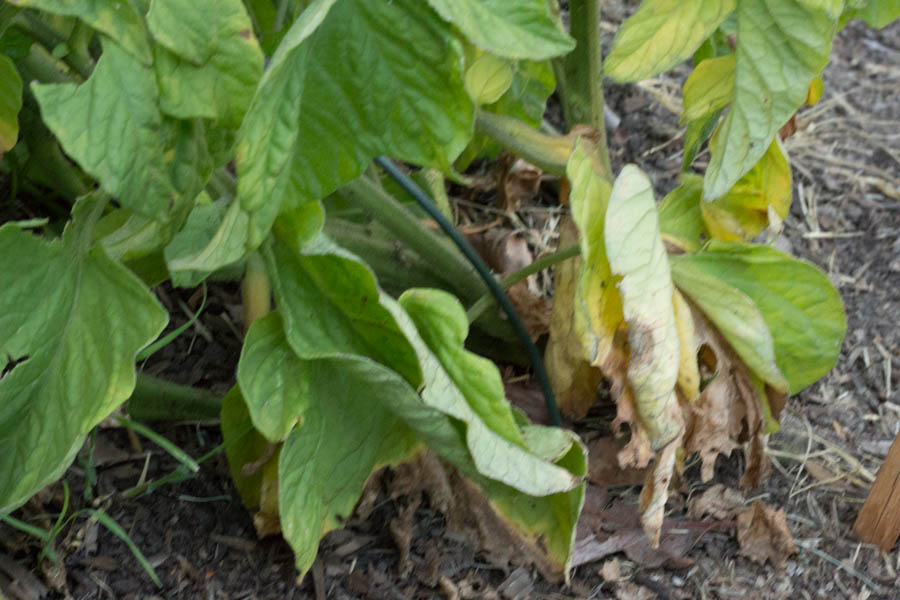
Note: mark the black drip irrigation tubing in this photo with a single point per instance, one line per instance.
(484, 271)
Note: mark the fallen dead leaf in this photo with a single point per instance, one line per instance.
(718, 502)
(519, 182)
(763, 534)
(632, 591)
(611, 570)
(604, 469)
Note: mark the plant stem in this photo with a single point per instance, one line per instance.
(549, 153)
(486, 301)
(580, 74)
(256, 290)
(49, 38)
(448, 263)
(155, 399)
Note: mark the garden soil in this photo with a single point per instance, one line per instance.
(834, 435)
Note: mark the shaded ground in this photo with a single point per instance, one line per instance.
(846, 218)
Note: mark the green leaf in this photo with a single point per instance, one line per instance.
(111, 125)
(745, 210)
(797, 301)
(126, 235)
(347, 434)
(248, 452)
(876, 13)
(86, 318)
(332, 307)
(637, 257)
(208, 61)
(117, 19)
(734, 314)
(782, 45)
(661, 34)
(443, 326)
(275, 383)
(512, 29)
(488, 78)
(709, 88)
(680, 217)
(315, 120)
(211, 238)
(10, 104)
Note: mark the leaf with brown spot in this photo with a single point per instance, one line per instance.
(763, 534)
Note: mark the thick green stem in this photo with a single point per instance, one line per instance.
(453, 268)
(548, 152)
(256, 290)
(155, 399)
(486, 301)
(580, 74)
(49, 38)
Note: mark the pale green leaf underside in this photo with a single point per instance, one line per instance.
(661, 34)
(10, 103)
(802, 309)
(274, 381)
(736, 317)
(636, 255)
(79, 318)
(116, 18)
(208, 61)
(441, 322)
(347, 84)
(111, 126)
(508, 28)
(782, 45)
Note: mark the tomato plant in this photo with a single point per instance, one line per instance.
(179, 140)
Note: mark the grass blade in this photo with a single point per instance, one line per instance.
(110, 523)
(176, 452)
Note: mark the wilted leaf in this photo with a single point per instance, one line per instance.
(63, 303)
(782, 45)
(638, 259)
(573, 378)
(744, 210)
(598, 307)
(728, 413)
(10, 104)
(735, 315)
(763, 534)
(523, 29)
(801, 308)
(661, 34)
(519, 181)
(688, 370)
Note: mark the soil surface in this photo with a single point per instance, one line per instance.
(845, 218)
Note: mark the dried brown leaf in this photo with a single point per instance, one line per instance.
(573, 378)
(728, 413)
(719, 502)
(519, 182)
(763, 534)
(603, 465)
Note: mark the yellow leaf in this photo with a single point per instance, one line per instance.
(816, 90)
(637, 256)
(709, 87)
(596, 295)
(744, 211)
(688, 371)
